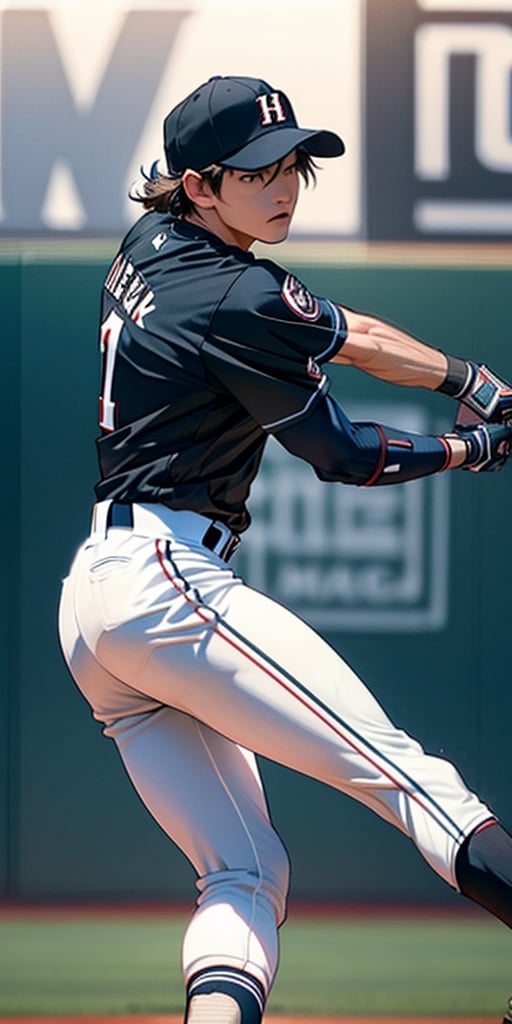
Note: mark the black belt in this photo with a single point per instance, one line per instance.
(121, 515)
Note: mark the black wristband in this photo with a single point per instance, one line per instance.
(458, 376)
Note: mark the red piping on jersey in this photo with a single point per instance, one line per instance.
(283, 684)
(382, 456)
(400, 444)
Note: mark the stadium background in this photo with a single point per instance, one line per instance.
(413, 224)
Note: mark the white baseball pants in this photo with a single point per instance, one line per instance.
(191, 672)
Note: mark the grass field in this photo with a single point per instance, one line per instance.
(383, 965)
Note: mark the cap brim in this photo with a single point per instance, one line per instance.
(276, 144)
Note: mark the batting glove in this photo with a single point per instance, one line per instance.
(485, 393)
(487, 445)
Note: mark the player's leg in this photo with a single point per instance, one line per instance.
(253, 671)
(207, 795)
(428, 799)
(381, 765)
(267, 681)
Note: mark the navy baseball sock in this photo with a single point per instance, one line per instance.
(228, 996)
(484, 870)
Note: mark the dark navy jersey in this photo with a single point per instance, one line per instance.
(206, 350)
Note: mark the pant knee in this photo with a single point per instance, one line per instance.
(267, 880)
(236, 922)
(268, 885)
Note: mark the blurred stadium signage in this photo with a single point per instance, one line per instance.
(85, 87)
(344, 558)
(439, 119)
(420, 90)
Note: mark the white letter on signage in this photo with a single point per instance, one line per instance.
(491, 44)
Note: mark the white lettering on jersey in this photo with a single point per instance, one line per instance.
(146, 305)
(129, 288)
(271, 108)
(158, 241)
(109, 339)
(299, 299)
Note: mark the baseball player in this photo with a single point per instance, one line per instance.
(206, 351)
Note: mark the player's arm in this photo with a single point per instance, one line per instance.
(392, 355)
(368, 454)
(386, 352)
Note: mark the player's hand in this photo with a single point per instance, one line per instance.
(487, 395)
(488, 445)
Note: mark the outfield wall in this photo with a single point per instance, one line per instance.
(411, 584)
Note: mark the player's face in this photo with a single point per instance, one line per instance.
(258, 204)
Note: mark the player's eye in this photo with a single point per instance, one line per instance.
(250, 177)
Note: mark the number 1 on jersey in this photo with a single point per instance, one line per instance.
(109, 339)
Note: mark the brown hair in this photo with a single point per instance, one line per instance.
(164, 194)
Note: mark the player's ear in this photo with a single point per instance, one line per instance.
(198, 190)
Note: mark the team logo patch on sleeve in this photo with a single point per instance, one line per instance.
(299, 299)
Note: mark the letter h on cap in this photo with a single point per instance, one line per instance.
(270, 108)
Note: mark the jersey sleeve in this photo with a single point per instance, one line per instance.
(267, 342)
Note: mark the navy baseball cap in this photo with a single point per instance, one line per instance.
(238, 122)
